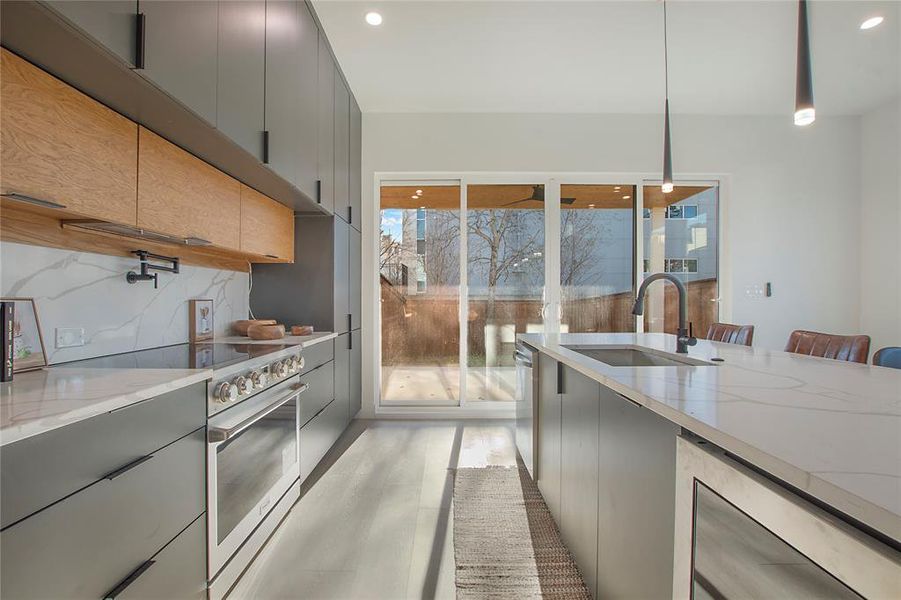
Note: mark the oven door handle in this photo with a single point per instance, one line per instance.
(216, 435)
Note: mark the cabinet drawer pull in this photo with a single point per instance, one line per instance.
(193, 240)
(117, 591)
(266, 147)
(271, 256)
(140, 40)
(318, 191)
(126, 468)
(33, 200)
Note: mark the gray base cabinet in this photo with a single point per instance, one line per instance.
(321, 391)
(579, 471)
(89, 544)
(548, 462)
(636, 507)
(317, 436)
(356, 374)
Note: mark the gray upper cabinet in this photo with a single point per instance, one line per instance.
(180, 51)
(355, 277)
(242, 73)
(326, 122)
(579, 471)
(342, 149)
(291, 97)
(113, 23)
(356, 159)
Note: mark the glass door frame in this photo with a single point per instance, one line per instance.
(552, 308)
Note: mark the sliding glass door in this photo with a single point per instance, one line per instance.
(467, 264)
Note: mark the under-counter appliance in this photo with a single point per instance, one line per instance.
(253, 449)
(526, 359)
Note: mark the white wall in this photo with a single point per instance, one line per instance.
(880, 234)
(792, 216)
(79, 289)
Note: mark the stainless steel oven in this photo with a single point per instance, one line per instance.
(526, 359)
(252, 460)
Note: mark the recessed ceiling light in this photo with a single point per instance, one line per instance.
(871, 22)
(414, 197)
(419, 192)
(422, 207)
(626, 197)
(616, 189)
(373, 18)
(591, 206)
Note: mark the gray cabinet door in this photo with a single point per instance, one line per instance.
(178, 570)
(637, 454)
(355, 278)
(180, 51)
(342, 369)
(282, 119)
(321, 391)
(549, 441)
(356, 374)
(579, 472)
(356, 160)
(87, 544)
(342, 275)
(113, 23)
(342, 149)
(326, 121)
(307, 105)
(242, 73)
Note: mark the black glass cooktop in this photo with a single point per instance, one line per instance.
(181, 356)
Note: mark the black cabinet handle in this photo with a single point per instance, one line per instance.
(126, 468)
(266, 147)
(117, 591)
(318, 191)
(350, 214)
(350, 322)
(559, 377)
(140, 39)
(350, 341)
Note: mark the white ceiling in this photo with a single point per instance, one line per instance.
(726, 57)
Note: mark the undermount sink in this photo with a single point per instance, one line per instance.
(625, 356)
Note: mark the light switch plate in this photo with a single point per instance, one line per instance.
(69, 337)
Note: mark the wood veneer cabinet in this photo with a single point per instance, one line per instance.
(267, 227)
(181, 195)
(61, 146)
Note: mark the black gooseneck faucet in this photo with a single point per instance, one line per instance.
(684, 339)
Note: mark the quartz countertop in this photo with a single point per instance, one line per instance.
(828, 428)
(39, 401)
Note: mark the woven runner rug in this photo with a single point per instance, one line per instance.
(506, 544)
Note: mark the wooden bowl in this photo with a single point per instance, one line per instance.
(301, 330)
(266, 332)
(240, 327)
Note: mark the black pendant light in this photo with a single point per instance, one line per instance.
(805, 114)
(667, 186)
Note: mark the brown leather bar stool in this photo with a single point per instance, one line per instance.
(851, 348)
(890, 356)
(731, 334)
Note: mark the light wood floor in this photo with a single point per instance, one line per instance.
(378, 523)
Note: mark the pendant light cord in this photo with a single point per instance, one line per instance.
(665, 56)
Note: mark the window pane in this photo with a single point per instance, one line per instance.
(596, 258)
(420, 278)
(505, 276)
(680, 237)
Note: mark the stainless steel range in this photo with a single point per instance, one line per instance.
(253, 450)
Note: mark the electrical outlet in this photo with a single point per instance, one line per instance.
(69, 337)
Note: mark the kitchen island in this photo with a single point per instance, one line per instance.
(827, 431)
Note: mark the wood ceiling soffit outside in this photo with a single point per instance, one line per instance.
(447, 197)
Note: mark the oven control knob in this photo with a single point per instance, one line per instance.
(259, 379)
(226, 392)
(281, 368)
(244, 385)
(297, 362)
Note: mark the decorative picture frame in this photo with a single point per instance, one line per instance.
(28, 352)
(201, 320)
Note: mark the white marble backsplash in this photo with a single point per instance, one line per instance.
(80, 289)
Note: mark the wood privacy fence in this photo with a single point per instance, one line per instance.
(422, 329)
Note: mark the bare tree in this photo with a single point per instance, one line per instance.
(391, 251)
(580, 236)
(442, 249)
